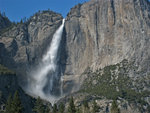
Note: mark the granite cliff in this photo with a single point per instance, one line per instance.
(23, 45)
(104, 32)
(100, 33)
(97, 34)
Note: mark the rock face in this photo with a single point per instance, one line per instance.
(104, 32)
(97, 34)
(23, 45)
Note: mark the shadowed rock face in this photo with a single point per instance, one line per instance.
(23, 45)
(104, 32)
(8, 86)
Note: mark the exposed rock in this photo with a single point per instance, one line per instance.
(23, 45)
(104, 32)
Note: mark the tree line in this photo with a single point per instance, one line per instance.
(14, 105)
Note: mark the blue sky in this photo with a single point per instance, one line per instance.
(17, 9)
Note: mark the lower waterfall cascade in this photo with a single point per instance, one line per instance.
(41, 81)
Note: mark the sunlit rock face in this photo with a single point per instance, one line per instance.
(24, 44)
(104, 32)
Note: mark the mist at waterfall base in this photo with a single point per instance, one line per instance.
(43, 79)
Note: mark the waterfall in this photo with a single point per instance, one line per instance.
(42, 80)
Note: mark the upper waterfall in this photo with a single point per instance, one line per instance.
(41, 80)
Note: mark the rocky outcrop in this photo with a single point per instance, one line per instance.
(104, 32)
(23, 45)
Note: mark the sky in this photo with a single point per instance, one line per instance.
(15, 10)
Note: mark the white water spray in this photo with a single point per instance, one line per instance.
(43, 77)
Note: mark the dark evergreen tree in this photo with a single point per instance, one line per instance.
(79, 110)
(55, 110)
(21, 21)
(9, 104)
(47, 109)
(95, 107)
(71, 108)
(61, 108)
(38, 107)
(85, 107)
(16, 104)
(85, 104)
(114, 107)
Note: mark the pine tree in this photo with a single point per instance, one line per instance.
(16, 104)
(55, 110)
(21, 21)
(114, 107)
(61, 108)
(95, 107)
(9, 104)
(47, 110)
(71, 108)
(79, 110)
(38, 107)
(85, 104)
(85, 107)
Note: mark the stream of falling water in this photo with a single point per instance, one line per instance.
(41, 81)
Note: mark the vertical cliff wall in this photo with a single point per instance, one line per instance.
(23, 45)
(104, 32)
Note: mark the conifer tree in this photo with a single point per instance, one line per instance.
(95, 107)
(71, 108)
(38, 107)
(47, 109)
(9, 104)
(61, 108)
(114, 107)
(85, 107)
(16, 104)
(55, 110)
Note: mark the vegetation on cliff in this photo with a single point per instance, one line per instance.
(114, 83)
(4, 70)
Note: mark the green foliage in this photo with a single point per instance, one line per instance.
(47, 110)
(113, 85)
(114, 107)
(79, 110)
(61, 108)
(38, 107)
(14, 105)
(5, 71)
(9, 105)
(85, 104)
(71, 108)
(55, 110)
(95, 107)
